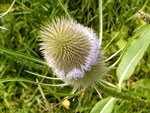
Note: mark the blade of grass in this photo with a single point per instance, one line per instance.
(65, 9)
(29, 81)
(45, 100)
(14, 53)
(100, 22)
(36, 74)
(8, 9)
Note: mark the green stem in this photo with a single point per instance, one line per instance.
(122, 95)
(100, 22)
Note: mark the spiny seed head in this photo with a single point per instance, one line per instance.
(71, 50)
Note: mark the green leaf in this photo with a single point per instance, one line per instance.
(104, 106)
(132, 58)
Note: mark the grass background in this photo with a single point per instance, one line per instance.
(23, 22)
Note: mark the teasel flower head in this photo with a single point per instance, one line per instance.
(72, 51)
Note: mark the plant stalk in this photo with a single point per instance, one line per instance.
(122, 95)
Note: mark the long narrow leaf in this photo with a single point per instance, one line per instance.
(104, 106)
(139, 31)
(132, 58)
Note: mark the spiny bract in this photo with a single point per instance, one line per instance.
(72, 51)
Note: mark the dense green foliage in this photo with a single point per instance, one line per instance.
(21, 62)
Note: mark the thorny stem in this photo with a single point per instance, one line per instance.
(122, 95)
